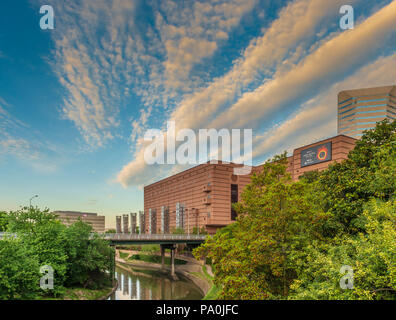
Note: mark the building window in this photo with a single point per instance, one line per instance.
(234, 199)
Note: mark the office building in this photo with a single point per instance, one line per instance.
(361, 109)
(202, 196)
(70, 217)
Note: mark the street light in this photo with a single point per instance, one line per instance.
(30, 201)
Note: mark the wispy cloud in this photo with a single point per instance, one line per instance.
(285, 67)
(317, 119)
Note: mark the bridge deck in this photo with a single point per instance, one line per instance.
(122, 238)
(125, 238)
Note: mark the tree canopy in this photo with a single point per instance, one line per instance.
(291, 240)
(78, 256)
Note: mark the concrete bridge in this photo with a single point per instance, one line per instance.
(166, 241)
(125, 238)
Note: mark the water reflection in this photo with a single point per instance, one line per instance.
(152, 285)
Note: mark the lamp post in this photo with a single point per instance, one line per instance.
(30, 201)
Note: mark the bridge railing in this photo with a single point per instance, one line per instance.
(126, 236)
(7, 234)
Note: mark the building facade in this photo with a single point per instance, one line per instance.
(361, 109)
(70, 217)
(202, 197)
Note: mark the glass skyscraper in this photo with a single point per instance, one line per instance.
(361, 109)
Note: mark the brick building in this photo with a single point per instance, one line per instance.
(202, 196)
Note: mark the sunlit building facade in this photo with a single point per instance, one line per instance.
(202, 197)
(361, 109)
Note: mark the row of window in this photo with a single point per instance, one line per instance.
(363, 107)
(368, 100)
(365, 112)
(361, 123)
(357, 123)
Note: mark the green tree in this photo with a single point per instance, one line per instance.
(43, 236)
(254, 257)
(3, 221)
(343, 189)
(19, 271)
(88, 256)
(78, 256)
(371, 255)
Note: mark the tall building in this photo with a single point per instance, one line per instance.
(70, 217)
(361, 109)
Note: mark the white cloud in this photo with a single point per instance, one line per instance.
(309, 68)
(296, 25)
(327, 64)
(317, 119)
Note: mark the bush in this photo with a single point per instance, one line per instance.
(78, 256)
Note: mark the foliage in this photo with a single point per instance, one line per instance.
(154, 259)
(370, 171)
(77, 256)
(254, 257)
(178, 231)
(202, 231)
(291, 238)
(150, 248)
(19, 272)
(111, 231)
(123, 255)
(3, 221)
(371, 255)
(89, 256)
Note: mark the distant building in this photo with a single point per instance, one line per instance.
(70, 217)
(361, 109)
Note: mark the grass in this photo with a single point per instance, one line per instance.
(205, 271)
(214, 291)
(123, 255)
(80, 294)
(154, 259)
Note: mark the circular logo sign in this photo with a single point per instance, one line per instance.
(322, 153)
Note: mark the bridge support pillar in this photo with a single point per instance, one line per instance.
(173, 248)
(162, 256)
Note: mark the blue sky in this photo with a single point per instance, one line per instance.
(76, 101)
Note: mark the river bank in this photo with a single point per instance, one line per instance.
(192, 270)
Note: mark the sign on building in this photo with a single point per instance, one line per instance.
(316, 154)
